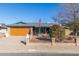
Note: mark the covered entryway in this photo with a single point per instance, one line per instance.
(40, 30)
(40, 36)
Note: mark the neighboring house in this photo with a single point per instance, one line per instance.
(22, 29)
(67, 32)
(3, 29)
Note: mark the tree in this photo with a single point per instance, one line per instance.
(71, 13)
(57, 32)
(57, 29)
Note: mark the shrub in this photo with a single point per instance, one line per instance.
(57, 31)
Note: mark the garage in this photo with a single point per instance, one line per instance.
(19, 31)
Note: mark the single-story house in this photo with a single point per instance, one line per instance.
(22, 28)
(3, 28)
(67, 32)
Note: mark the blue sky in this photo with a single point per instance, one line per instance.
(28, 12)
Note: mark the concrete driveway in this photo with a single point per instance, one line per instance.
(11, 43)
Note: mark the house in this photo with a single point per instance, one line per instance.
(3, 29)
(23, 29)
(67, 32)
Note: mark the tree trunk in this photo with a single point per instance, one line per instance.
(53, 41)
(75, 39)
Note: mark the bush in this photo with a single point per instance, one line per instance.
(57, 31)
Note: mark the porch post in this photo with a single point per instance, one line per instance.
(31, 33)
(27, 39)
(8, 32)
(45, 31)
(29, 36)
(39, 30)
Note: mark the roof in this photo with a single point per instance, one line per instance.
(31, 24)
(3, 26)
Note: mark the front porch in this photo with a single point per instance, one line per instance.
(40, 30)
(40, 36)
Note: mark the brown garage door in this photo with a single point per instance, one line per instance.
(19, 31)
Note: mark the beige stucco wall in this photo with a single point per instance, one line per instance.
(8, 32)
(67, 32)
